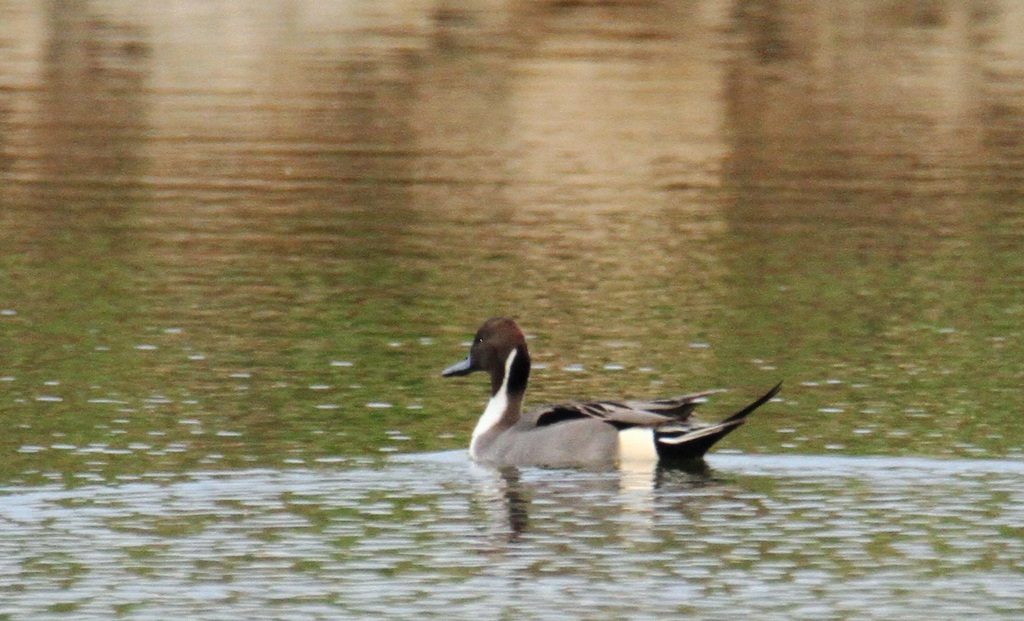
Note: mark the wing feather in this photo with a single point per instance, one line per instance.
(622, 414)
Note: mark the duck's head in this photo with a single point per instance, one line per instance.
(499, 348)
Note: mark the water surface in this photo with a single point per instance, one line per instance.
(238, 243)
(768, 537)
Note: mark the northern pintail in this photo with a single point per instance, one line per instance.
(577, 433)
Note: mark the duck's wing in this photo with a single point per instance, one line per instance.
(678, 408)
(621, 414)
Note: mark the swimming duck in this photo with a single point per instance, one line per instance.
(577, 433)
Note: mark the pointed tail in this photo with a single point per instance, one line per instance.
(694, 443)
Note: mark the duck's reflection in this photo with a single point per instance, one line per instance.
(517, 502)
(521, 502)
(684, 474)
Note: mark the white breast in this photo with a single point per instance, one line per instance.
(492, 414)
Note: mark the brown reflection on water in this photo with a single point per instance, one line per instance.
(898, 98)
(595, 139)
(591, 105)
(86, 123)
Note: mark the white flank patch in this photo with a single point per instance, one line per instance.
(637, 444)
(495, 409)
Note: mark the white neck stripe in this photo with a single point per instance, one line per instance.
(496, 407)
(508, 371)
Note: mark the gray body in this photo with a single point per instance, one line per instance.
(575, 433)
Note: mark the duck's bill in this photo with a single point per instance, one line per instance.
(461, 368)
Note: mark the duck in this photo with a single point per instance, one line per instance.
(579, 433)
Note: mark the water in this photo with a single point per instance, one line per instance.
(238, 244)
(770, 537)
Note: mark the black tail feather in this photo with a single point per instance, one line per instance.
(704, 439)
(739, 416)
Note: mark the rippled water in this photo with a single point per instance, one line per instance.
(239, 241)
(767, 537)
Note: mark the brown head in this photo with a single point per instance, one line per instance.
(492, 347)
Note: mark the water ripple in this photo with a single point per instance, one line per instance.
(771, 537)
